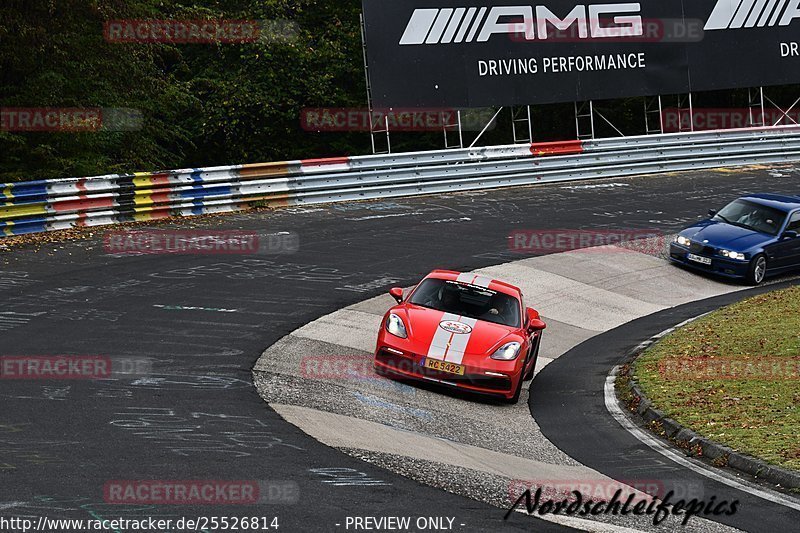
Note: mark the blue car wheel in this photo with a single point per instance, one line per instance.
(758, 270)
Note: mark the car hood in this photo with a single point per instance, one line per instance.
(723, 235)
(481, 338)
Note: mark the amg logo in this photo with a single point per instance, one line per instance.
(733, 14)
(457, 25)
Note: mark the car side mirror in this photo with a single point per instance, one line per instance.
(533, 321)
(789, 235)
(397, 294)
(712, 212)
(536, 325)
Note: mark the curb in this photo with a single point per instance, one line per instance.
(637, 405)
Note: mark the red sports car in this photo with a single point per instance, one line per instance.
(461, 330)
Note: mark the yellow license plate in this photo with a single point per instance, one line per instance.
(444, 366)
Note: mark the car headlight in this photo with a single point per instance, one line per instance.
(733, 255)
(395, 326)
(507, 352)
(683, 241)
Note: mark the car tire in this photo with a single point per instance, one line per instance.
(758, 270)
(515, 399)
(529, 374)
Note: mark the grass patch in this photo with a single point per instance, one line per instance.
(732, 376)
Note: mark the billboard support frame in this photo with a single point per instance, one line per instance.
(599, 114)
(784, 112)
(593, 111)
(758, 103)
(486, 127)
(580, 113)
(456, 126)
(681, 101)
(373, 127)
(648, 110)
(526, 120)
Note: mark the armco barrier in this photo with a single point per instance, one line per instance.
(37, 206)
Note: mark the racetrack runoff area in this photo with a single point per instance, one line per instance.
(437, 436)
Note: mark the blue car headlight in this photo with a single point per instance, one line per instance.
(733, 255)
(683, 241)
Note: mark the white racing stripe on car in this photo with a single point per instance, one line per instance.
(448, 346)
(458, 343)
(465, 278)
(438, 347)
(472, 279)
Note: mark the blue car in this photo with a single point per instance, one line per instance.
(751, 238)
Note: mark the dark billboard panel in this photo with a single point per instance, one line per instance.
(479, 53)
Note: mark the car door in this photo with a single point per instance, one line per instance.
(525, 333)
(793, 245)
(786, 252)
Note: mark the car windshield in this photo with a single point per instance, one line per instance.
(753, 216)
(468, 300)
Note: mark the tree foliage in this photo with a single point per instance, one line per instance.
(202, 104)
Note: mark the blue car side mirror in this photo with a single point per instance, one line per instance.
(789, 235)
(712, 212)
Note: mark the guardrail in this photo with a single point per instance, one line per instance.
(37, 206)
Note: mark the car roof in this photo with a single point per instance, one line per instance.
(782, 202)
(476, 279)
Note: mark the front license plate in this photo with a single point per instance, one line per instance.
(443, 366)
(699, 259)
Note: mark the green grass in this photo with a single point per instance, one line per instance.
(754, 411)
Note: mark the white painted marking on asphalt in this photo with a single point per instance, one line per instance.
(695, 466)
(9, 505)
(446, 220)
(375, 217)
(185, 308)
(10, 319)
(596, 186)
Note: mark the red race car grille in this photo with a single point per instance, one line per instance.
(409, 366)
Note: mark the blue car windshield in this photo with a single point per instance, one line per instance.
(468, 300)
(752, 216)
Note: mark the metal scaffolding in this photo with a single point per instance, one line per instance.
(682, 100)
(378, 131)
(585, 113)
(521, 124)
(455, 127)
(755, 104)
(653, 106)
(784, 112)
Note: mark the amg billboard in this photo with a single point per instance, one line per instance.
(478, 53)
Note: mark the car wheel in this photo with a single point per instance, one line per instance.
(517, 392)
(758, 270)
(529, 373)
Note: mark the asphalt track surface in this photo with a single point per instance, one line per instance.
(204, 320)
